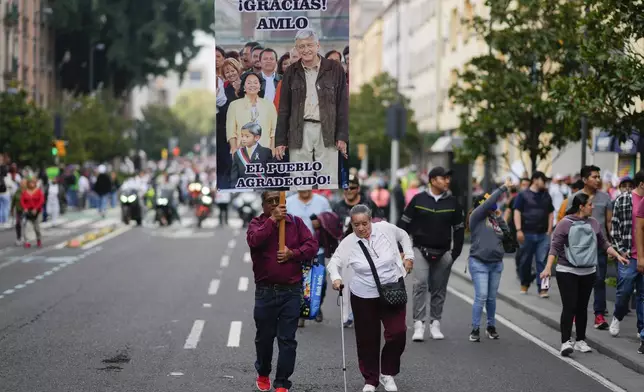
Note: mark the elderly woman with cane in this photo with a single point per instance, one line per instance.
(378, 293)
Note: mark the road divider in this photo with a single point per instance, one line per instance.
(95, 237)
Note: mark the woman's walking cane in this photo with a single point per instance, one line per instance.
(344, 359)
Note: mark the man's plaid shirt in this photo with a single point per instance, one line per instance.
(622, 223)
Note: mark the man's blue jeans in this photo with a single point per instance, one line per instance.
(535, 246)
(486, 278)
(277, 311)
(628, 279)
(599, 290)
(5, 206)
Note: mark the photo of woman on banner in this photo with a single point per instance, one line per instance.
(251, 108)
(250, 152)
(313, 115)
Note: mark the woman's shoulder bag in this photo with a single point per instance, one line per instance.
(392, 294)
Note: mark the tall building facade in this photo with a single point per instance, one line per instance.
(27, 49)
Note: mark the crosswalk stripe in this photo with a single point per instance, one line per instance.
(243, 284)
(195, 334)
(234, 335)
(214, 287)
(247, 258)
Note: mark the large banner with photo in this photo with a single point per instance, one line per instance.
(283, 95)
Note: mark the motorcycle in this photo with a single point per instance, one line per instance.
(194, 192)
(131, 207)
(204, 205)
(248, 205)
(163, 208)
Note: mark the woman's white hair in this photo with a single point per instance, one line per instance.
(360, 209)
(306, 34)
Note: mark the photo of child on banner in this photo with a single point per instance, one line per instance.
(286, 116)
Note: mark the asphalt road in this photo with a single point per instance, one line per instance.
(171, 310)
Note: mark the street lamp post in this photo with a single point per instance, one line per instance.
(93, 47)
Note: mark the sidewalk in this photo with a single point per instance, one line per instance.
(622, 348)
(70, 216)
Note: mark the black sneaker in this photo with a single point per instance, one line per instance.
(319, 318)
(491, 333)
(475, 335)
(641, 349)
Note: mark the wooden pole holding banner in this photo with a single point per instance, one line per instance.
(282, 238)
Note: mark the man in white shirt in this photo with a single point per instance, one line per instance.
(268, 59)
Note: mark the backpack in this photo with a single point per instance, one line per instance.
(581, 251)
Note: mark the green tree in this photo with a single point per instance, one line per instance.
(140, 38)
(368, 122)
(95, 129)
(504, 94)
(159, 124)
(197, 109)
(26, 131)
(614, 83)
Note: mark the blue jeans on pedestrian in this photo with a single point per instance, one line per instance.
(277, 311)
(102, 202)
(628, 279)
(486, 278)
(599, 290)
(5, 206)
(535, 246)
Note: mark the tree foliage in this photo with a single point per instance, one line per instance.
(368, 121)
(197, 109)
(26, 131)
(95, 129)
(607, 94)
(140, 38)
(159, 124)
(505, 92)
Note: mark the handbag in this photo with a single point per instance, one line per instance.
(431, 255)
(510, 244)
(313, 276)
(392, 294)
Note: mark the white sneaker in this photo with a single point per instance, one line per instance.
(582, 346)
(369, 388)
(435, 330)
(614, 326)
(388, 382)
(419, 331)
(567, 348)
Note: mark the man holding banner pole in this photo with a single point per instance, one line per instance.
(279, 243)
(313, 114)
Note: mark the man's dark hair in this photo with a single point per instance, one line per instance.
(251, 44)
(577, 185)
(587, 170)
(256, 47)
(267, 50)
(525, 179)
(346, 50)
(330, 52)
(639, 178)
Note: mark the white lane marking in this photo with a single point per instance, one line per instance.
(1, 296)
(225, 260)
(77, 223)
(243, 284)
(108, 237)
(525, 334)
(105, 223)
(19, 286)
(49, 224)
(207, 305)
(235, 334)
(61, 245)
(232, 243)
(176, 374)
(30, 281)
(247, 258)
(10, 291)
(47, 273)
(39, 277)
(195, 334)
(214, 287)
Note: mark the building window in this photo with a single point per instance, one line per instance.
(195, 76)
(453, 79)
(469, 18)
(454, 24)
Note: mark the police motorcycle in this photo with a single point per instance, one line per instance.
(131, 208)
(164, 208)
(248, 206)
(203, 205)
(194, 193)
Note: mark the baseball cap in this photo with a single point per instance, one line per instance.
(354, 180)
(439, 171)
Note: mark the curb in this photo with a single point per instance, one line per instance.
(599, 346)
(89, 237)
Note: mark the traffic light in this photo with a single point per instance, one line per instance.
(54, 149)
(362, 151)
(60, 148)
(164, 153)
(176, 151)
